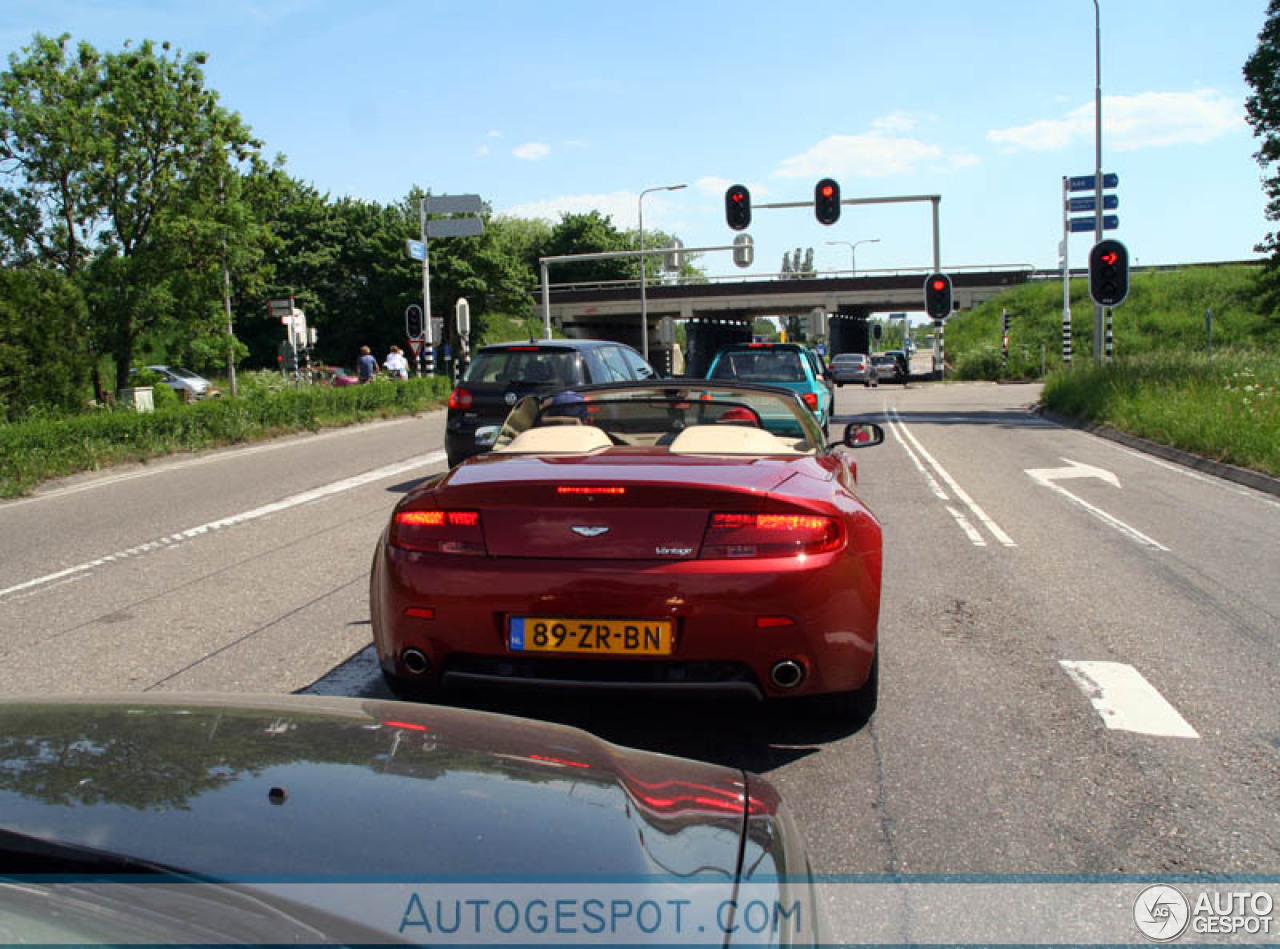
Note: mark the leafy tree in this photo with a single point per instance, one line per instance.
(1262, 72)
(41, 311)
(786, 266)
(109, 159)
(588, 233)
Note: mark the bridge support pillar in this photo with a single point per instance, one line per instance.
(707, 334)
(850, 331)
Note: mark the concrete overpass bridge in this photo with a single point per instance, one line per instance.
(722, 310)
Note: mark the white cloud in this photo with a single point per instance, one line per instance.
(494, 134)
(620, 206)
(1147, 120)
(532, 151)
(895, 122)
(870, 155)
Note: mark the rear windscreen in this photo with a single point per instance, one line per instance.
(528, 366)
(753, 365)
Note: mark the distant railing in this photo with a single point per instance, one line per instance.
(924, 271)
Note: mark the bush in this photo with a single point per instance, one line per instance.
(42, 370)
(34, 451)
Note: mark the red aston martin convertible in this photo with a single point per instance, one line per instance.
(640, 536)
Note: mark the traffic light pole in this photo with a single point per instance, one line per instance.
(934, 199)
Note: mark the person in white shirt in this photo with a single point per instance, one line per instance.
(396, 365)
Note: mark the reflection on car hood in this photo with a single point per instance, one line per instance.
(248, 785)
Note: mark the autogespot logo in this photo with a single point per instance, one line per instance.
(1161, 912)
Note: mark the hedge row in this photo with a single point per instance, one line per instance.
(36, 450)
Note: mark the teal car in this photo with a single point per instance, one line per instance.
(787, 365)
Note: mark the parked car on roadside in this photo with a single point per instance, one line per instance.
(333, 376)
(502, 374)
(853, 368)
(184, 382)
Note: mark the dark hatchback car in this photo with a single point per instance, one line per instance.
(504, 373)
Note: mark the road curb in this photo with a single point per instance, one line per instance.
(1246, 476)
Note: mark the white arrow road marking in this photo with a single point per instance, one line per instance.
(315, 494)
(1050, 476)
(1126, 700)
(958, 491)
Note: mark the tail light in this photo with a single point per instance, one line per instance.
(441, 532)
(460, 398)
(811, 400)
(736, 536)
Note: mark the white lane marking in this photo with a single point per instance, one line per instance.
(1127, 701)
(160, 466)
(315, 494)
(1197, 476)
(958, 491)
(1043, 476)
(974, 536)
(1074, 469)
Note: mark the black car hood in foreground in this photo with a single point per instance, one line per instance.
(254, 785)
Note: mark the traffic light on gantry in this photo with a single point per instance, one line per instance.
(737, 207)
(826, 201)
(937, 296)
(1109, 273)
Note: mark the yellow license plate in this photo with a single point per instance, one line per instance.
(630, 637)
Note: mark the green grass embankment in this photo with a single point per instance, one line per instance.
(42, 448)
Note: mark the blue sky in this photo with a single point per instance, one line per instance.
(543, 107)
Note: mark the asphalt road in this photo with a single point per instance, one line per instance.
(1080, 643)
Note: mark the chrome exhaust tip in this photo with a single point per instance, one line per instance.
(786, 674)
(415, 661)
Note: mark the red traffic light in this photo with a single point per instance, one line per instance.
(1110, 259)
(737, 207)
(826, 201)
(939, 285)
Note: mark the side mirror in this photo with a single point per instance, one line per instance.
(862, 435)
(486, 435)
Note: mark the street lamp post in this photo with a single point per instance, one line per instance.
(644, 303)
(853, 248)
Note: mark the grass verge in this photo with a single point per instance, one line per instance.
(40, 449)
(1226, 407)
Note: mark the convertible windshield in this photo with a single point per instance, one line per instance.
(656, 416)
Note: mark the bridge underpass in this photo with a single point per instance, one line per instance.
(722, 311)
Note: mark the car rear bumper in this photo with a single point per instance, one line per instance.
(717, 607)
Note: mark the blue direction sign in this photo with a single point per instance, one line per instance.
(1087, 182)
(1080, 225)
(1088, 203)
(416, 250)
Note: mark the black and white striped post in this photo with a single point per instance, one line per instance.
(1110, 339)
(1066, 339)
(428, 359)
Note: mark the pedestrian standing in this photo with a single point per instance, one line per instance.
(396, 365)
(366, 365)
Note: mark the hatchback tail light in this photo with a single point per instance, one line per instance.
(441, 532)
(811, 400)
(460, 398)
(770, 535)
